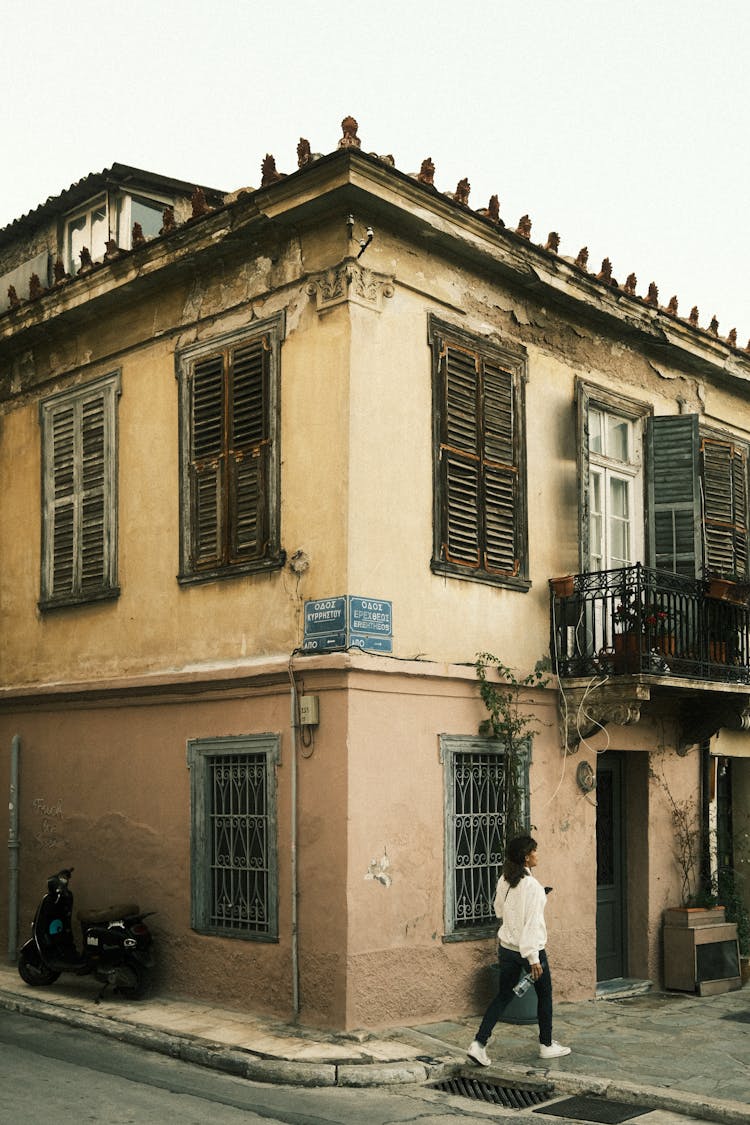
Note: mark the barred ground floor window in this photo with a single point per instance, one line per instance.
(233, 836)
(475, 819)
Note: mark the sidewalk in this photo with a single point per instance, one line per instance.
(673, 1051)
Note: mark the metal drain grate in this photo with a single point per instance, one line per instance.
(485, 1090)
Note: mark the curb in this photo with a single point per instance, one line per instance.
(245, 1064)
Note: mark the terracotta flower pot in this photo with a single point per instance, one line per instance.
(562, 587)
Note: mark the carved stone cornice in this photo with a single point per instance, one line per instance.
(585, 710)
(349, 282)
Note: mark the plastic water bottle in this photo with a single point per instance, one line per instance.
(524, 984)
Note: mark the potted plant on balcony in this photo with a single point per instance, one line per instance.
(641, 629)
(727, 585)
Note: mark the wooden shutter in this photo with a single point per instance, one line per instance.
(249, 446)
(78, 491)
(724, 505)
(207, 466)
(500, 471)
(674, 494)
(62, 503)
(478, 472)
(459, 457)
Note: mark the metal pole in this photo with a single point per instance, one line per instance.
(13, 846)
(293, 840)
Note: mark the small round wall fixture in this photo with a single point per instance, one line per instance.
(585, 777)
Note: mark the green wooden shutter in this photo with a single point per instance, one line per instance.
(249, 448)
(499, 469)
(725, 505)
(207, 465)
(674, 494)
(460, 458)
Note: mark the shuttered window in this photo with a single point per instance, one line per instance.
(79, 450)
(724, 468)
(698, 499)
(480, 504)
(230, 462)
(674, 494)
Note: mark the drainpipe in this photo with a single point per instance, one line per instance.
(295, 944)
(13, 846)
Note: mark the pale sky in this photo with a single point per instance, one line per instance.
(621, 124)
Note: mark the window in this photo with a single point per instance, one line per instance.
(110, 215)
(233, 836)
(479, 458)
(610, 440)
(475, 787)
(79, 494)
(230, 454)
(88, 228)
(614, 464)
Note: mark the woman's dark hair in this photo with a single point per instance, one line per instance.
(514, 867)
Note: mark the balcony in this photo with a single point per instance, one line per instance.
(644, 632)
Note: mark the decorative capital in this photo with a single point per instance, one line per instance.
(350, 282)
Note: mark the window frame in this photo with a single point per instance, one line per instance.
(511, 361)
(590, 397)
(451, 748)
(201, 754)
(118, 218)
(186, 359)
(107, 390)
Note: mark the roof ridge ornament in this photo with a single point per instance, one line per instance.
(349, 137)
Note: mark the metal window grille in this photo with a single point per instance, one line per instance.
(478, 825)
(238, 823)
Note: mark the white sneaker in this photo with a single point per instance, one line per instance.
(554, 1051)
(478, 1054)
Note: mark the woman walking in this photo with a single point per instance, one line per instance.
(519, 903)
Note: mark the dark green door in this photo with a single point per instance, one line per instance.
(610, 874)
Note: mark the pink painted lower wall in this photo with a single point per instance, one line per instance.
(105, 787)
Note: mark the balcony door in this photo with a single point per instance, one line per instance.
(615, 503)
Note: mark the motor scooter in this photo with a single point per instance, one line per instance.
(117, 944)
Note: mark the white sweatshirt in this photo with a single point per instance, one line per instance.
(521, 909)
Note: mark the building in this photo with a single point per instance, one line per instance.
(277, 465)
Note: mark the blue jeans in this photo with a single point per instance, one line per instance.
(512, 966)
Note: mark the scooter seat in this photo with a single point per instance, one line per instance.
(96, 917)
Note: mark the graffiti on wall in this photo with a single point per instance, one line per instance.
(49, 823)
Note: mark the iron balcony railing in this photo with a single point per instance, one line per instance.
(636, 620)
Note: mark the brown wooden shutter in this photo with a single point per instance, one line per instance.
(207, 462)
(479, 475)
(248, 453)
(459, 458)
(725, 506)
(500, 471)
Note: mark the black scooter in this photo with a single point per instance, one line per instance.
(116, 943)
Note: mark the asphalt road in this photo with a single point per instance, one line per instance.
(66, 1075)
(51, 1072)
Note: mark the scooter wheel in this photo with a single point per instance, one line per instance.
(133, 981)
(32, 969)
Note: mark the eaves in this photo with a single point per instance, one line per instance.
(377, 192)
